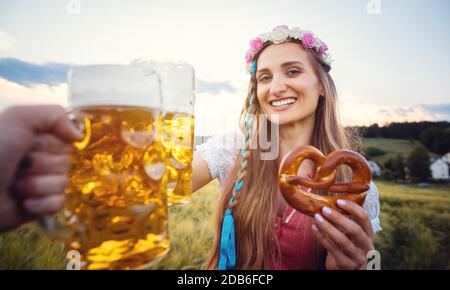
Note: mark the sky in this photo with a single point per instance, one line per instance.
(391, 57)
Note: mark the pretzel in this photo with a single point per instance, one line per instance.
(325, 179)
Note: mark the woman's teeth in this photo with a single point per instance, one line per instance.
(284, 102)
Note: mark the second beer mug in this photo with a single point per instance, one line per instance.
(116, 203)
(178, 90)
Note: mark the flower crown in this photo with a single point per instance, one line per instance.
(279, 35)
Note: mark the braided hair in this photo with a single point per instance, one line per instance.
(227, 258)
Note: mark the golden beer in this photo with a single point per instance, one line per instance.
(116, 202)
(178, 140)
(178, 92)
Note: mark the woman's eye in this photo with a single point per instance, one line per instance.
(264, 78)
(293, 72)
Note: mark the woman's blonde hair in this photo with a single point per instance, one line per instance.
(255, 207)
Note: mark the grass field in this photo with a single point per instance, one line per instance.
(190, 230)
(392, 147)
(416, 226)
(415, 221)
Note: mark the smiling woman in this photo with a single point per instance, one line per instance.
(291, 87)
(287, 82)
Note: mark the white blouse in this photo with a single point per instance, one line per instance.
(220, 151)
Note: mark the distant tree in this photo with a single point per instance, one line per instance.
(399, 167)
(431, 138)
(405, 130)
(394, 168)
(418, 164)
(388, 169)
(373, 131)
(373, 152)
(436, 139)
(446, 141)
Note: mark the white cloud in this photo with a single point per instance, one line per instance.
(218, 113)
(356, 113)
(12, 94)
(414, 113)
(6, 42)
(215, 113)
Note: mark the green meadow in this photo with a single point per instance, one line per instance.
(190, 230)
(392, 147)
(415, 222)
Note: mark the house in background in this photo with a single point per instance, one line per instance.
(374, 168)
(440, 168)
(446, 158)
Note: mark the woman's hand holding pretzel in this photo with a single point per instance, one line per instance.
(341, 225)
(347, 239)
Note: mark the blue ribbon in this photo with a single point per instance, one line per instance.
(227, 258)
(247, 121)
(253, 67)
(239, 186)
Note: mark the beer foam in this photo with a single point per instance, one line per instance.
(116, 85)
(177, 82)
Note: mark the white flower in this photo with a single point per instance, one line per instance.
(296, 33)
(265, 37)
(279, 34)
(327, 59)
(318, 43)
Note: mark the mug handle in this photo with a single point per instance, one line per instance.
(55, 229)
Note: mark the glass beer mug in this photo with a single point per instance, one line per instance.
(178, 90)
(116, 212)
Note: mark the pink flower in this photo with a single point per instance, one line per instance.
(323, 48)
(308, 40)
(249, 56)
(256, 44)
